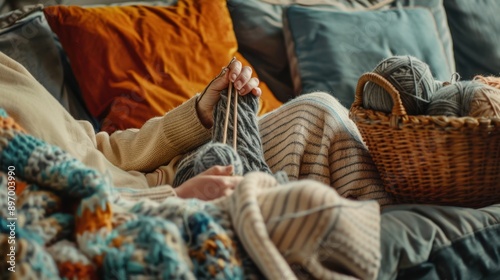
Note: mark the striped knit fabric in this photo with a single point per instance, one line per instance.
(312, 137)
(305, 227)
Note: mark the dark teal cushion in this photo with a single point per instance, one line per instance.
(30, 41)
(475, 29)
(258, 29)
(439, 242)
(332, 49)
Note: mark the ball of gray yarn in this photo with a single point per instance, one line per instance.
(410, 76)
(453, 100)
(217, 154)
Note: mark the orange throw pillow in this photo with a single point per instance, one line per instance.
(136, 62)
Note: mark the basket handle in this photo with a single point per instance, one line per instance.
(398, 109)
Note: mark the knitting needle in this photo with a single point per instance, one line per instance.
(226, 122)
(229, 93)
(235, 124)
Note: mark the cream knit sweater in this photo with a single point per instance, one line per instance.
(128, 157)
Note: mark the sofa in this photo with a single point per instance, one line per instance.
(146, 61)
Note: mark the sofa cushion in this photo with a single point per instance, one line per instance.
(440, 242)
(27, 38)
(329, 50)
(474, 26)
(259, 29)
(137, 62)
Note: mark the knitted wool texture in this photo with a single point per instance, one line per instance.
(248, 155)
(305, 230)
(217, 153)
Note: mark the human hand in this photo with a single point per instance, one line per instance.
(213, 183)
(243, 82)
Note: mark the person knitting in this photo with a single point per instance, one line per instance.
(111, 208)
(235, 121)
(310, 136)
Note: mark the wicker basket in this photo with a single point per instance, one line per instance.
(431, 159)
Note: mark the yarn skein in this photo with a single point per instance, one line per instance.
(217, 154)
(488, 80)
(454, 100)
(249, 154)
(486, 103)
(410, 76)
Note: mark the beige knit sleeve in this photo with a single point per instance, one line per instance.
(158, 141)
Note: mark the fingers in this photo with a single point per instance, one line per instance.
(251, 86)
(219, 170)
(241, 76)
(232, 181)
(243, 82)
(235, 70)
(257, 91)
(218, 186)
(221, 81)
(208, 187)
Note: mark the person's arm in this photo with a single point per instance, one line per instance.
(184, 128)
(157, 141)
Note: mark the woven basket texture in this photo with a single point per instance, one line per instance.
(431, 159)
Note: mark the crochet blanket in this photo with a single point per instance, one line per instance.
(62, 219)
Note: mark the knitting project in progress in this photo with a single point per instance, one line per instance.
(60, 219)
(248, 155)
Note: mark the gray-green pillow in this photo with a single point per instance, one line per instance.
(259, 29)
(332, 49)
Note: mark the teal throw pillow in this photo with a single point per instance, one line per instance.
(329, 50)
(258, 27)
(475, 29)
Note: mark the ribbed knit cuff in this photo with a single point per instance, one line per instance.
(184, 128)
